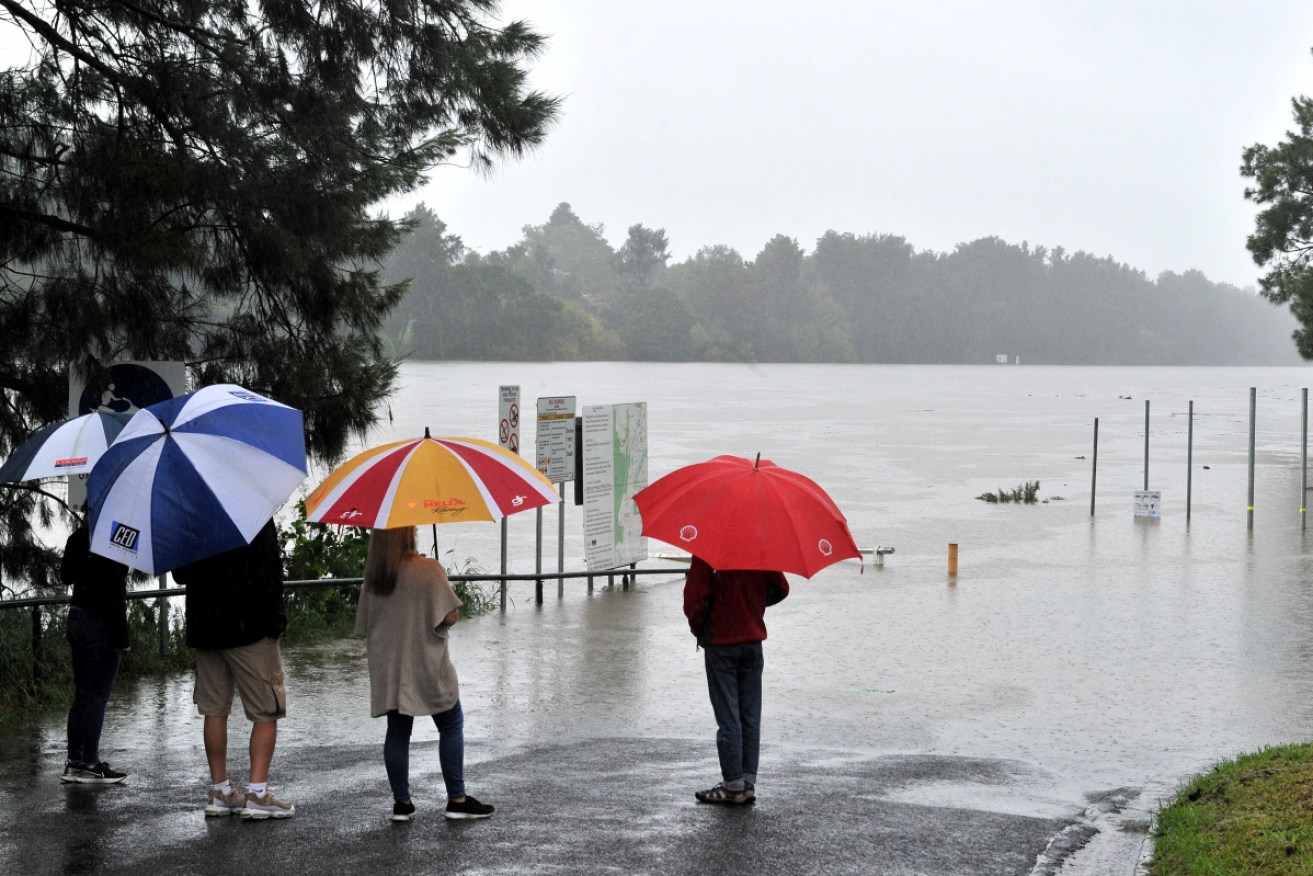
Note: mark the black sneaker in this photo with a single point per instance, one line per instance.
(403, 811)
(468, 808)
(100, 774)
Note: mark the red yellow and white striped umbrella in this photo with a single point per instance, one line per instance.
(428, 480)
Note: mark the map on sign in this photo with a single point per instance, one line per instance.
(615, 468)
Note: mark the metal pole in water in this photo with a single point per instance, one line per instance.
(1189, 459)
(1303, 457)
(538, 558)
(162, 613)
(1094, 469)
(503, 563)
(560, 541)
(1253, 408)
(1146, 444)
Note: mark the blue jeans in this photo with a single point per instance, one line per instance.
(95, 663)
(451, 751)
(734, 682)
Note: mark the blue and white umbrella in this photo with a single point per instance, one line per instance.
(194, 476)
(68, 448)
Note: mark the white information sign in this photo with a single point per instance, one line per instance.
(126, 388)
(555, 438)
(1148, 503)
(615, 468)
(508, 418)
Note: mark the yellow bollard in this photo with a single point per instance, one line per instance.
(952, 559)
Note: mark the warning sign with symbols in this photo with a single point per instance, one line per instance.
(555, 438)
(508, 425)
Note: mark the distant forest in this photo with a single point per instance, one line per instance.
(563, 293)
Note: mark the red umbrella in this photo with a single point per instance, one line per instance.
(739, 514)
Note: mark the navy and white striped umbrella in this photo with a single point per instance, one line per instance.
(194, 476)
(68, 448)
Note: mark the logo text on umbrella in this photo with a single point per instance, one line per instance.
(123, 536)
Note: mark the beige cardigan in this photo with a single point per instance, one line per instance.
(409, 669)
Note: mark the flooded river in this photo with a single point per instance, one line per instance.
(1097, 652)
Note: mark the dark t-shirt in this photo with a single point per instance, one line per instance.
(99, 584)
(236, 598)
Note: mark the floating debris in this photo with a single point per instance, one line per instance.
(1025, 494)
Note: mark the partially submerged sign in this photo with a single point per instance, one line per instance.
(1148, 503)
(508, 419)
(555, 438)
(615, 468)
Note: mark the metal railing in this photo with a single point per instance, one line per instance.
(37, 603)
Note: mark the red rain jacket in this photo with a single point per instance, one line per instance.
(737, 600)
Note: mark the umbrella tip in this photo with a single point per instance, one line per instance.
(758, 460)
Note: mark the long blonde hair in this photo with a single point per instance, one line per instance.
(387, 549)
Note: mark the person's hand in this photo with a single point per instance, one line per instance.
(125, 650)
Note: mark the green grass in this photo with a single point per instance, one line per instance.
(1249, 816)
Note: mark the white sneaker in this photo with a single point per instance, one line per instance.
(268, 806)
(219, 803)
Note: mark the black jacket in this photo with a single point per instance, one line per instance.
(236, 598)
(99, 584)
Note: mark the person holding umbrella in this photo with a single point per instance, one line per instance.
(406, 612)
(97, 639)
(752, 520)
(235, 616)
(726, 611)
(190, 486)
(407, 606)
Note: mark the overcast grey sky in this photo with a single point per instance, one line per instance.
(1111, 127)
(1114, 127)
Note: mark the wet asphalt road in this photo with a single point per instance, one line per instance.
(591, 807)
(587, 726)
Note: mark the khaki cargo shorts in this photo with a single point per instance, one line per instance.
(255, 671)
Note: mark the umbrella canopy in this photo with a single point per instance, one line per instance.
(68, 448)
(428, 480)
(737, 514)
(194, 476)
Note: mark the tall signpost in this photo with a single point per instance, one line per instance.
(555, 447)
(508, 436)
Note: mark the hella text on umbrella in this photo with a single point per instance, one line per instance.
(428, 480)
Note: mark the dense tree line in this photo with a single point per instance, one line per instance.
(563, 292)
